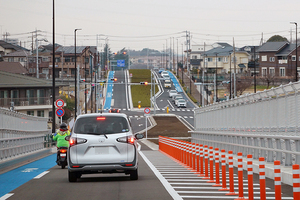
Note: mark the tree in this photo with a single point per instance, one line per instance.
(277, 38)
(268, 79)
(241, 85)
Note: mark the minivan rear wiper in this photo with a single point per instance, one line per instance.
(105, 135)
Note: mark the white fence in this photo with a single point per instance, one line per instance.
(265, 124)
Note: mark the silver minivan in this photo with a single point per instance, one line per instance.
(102, 143)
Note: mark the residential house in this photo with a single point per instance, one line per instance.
(278, 59)
(254, 56)
(221, 57)
(13, 67)
(27, 95)
(196, 55)
(20, 56)
(7, 48)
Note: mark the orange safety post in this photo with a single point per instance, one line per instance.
(296, 182)
(250, 176)
(191, 156)
(188, 154)
(206, 162)
(184, 153)
(197, 158)
(194, 157)
(201, 160)
(181, 151)
(277, 180)
(223, 160)
(230, 166)
(211, 164)
(262, 178)
(240, 176)
(217, 168)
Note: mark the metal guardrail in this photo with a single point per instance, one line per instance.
(13, 147)
(283, 148)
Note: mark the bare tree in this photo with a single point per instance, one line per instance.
(269, 78)
(241, 85)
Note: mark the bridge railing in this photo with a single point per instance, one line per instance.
(283, 148)
(274, 112)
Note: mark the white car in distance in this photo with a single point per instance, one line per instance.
(172, 93)
(181, 103)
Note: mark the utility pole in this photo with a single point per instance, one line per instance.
(234, 63)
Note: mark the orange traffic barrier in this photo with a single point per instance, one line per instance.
(194, 156)
(197, 158)
(250, 176)
(277, 180)
(211, 165)
(217, 168)
(201, 161)
(240, 176)
(296, 182)
(262, 178)
(231, 183)
(223, 160)
(206, 162)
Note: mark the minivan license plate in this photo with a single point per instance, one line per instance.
(102, 150)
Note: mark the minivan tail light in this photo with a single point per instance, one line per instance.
(75, 141)
(126, 139)
(101, 118)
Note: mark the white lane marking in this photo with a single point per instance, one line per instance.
(139, 146)
(4, 197)
(165, 183)
(41, 174)
(170, 104)
(112, 102)
(185, 117)
(188, 110)
(191, 117)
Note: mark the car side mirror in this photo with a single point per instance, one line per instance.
(139, 136)
(67, 138)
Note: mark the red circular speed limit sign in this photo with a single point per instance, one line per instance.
(147, 110)
(59, 103)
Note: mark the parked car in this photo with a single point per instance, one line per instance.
(172, 93)
(167, 83)
(181, 103)
(102, 143)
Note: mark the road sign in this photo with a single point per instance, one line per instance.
(147, 110)
(60, 112)
(59, 103)
(120, 63)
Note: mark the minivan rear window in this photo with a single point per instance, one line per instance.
(101, 125)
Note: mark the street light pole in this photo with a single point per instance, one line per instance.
(53, 72)
(75, 73)
(296, 74)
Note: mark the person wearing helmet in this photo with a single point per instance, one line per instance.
(60, 135)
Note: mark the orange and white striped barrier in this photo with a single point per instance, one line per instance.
(250, 176)
(240, 176)
(206, 162)
(211, 165)
(217, 168)
(194, 156)
(231, 183)
(197, 158)
(277, 180)
(223, 160)
(262, 178)
(201, 161)
(296, 182)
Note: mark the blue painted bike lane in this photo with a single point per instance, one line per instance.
(175, 82)
(109, 91)
(17, 177)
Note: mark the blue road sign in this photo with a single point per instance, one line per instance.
(120, 63)
(60, 112)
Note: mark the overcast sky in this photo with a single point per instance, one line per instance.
(138, 24)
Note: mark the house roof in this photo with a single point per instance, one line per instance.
(71, 50)
(18, 53)
(287, 50)
(7, 45)
(272, 46)
(13, 67)
(10, 80)
(224, 50)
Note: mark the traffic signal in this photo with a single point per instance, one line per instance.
(144, 83)
(114, 79)
(139, 104)
(124, 53)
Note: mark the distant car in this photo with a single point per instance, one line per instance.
(181, 103)
(155, 68)
(166, 77)
(175, 96)
(172, 93)
(164, 73)
(114, 110)
(161, 70)
(167, 83)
